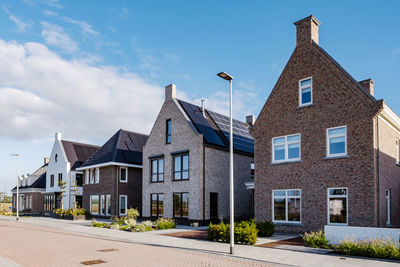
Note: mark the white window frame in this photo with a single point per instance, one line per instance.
(101, 202)
(286, 205)
(338, 196)
(91, 176)
(286, 143)
(388, 196)
(123, 181)
(301, 91)
(87, 177)
(328, 153)
(108, 197)
(126, 205)
(97, 176)
(397, 152)
(98, 203)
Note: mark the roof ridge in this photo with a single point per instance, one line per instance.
(114, 158)
(79, 143)
(133, 132)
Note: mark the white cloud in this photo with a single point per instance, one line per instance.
(55, 35)
(50, 13)
(21, 25)
(41, 93)
(86, 28)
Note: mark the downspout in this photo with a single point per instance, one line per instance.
(116, 196)
(204, 182)
(378, 170)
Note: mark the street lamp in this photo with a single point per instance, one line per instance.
(229, 78)
(16, 172)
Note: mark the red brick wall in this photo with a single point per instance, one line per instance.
(337, 101)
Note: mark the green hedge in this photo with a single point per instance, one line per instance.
(266, 228)
(245, 232)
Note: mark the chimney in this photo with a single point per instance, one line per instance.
(58, 136)
(250, 120)
(203, 109)
(368, 85)
(46, 160)
(170, 91)
(307, 30)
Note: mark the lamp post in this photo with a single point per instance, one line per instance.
(229, 78)
(16, 172)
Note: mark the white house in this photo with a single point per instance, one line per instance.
(63, 181)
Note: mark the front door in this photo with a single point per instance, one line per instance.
(213, 206)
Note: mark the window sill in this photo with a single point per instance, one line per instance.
(337, 157)
(285, 162)
(180, 180)
(288, 223)
(156, 182)
(305, 106)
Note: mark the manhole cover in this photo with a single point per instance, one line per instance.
(107, 250)
(92, 262)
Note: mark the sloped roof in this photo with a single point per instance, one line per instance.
(215, 129)
(77, 153)
(41, 170)
(39, 183)
(123, 147)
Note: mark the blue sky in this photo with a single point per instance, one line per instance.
(88, 68)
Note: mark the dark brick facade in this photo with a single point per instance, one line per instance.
(37, 202)
(109, 178)
(338, 100)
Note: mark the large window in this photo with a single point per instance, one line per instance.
(388, 206)
(102, 205)
(123, 175)
(157, 170)
(92, 174)
(123, 204)
(168, 132)
(157, 205)
(52, 180)
(79, 179)
(181, 205)
(94, 204)
(287, 206)
(336, 141)
(286, 148)
(305, 92)
(337, 206)
(87, 176)
(108, 204)
(97, 176)
(181, 167)
(60, 181)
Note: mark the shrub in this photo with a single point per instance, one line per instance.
(125, 227)
(245, 232)
(376, 248)
(139, 228)
(114, 226)
(130, 222)
(132, 214)
(100, 225)
(316, 240)
(266, 228)
(148, 223)
(164, 223)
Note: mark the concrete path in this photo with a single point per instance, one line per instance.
(270, 256)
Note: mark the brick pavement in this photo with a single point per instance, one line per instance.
(30, 245)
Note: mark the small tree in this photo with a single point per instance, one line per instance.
(62, 186)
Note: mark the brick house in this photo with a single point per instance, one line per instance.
(113, 175)
(31, 189)
(326, 151)
(186, 164)
(66, 157)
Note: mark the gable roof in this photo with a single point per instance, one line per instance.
(215, 129)
(39, 183)
(77, 153)
(123, 147)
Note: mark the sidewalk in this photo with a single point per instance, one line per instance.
(272, 256)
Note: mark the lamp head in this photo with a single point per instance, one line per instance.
(225, 76)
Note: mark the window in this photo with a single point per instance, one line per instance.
(157, 205)
(102, 205)
(60, 180)
(123, 175)
(252, 170)
(108, 204)
(286, 148)
(168, 132)
(87, 177)
(305, 92)
(181, 167)
(287, 206)
(397, 152)
(388, 200)
(52, 180)
(94, 204)
(79, 179)
(123, 204)
(97, 176)
(181, 205)
(337, 205)
(336, 141)
(157, 170)
(92, 176)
